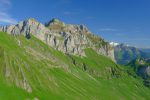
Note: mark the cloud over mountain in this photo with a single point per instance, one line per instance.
(5, 17)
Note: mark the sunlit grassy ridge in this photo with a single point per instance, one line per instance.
(30, 65)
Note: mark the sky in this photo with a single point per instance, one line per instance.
(122, 21)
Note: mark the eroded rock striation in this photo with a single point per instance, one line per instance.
(68, 38)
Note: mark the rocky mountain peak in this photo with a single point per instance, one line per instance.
(31, 19)
(54, 21)
(59, 26)
(30, 22)
(68, 38)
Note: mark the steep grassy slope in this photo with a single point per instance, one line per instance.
(142, 68)
(30, 69)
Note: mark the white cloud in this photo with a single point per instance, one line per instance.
(5, 2)
(5, 17)
(113, 43)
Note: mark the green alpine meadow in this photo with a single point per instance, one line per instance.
(74, 50)
(32, 70)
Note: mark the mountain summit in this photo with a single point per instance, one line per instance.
(54, 21)
(70, 39)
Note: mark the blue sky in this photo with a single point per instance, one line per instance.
(123, 21)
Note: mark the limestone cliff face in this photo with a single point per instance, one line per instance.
(70, 39)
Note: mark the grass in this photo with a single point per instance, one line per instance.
(53, 75)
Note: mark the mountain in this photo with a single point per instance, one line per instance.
(125, 53)
(113, 44)
(142, 68)
(35, 66)
(146, 51)
(71, 39)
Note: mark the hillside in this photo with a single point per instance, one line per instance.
(142, 68)
(43, 62)
(31, 69)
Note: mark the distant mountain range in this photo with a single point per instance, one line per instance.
(146, 50)
(125, 53)
(137, 60)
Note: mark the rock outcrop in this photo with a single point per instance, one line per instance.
(144, 71)
(142, 68)
(70, 39)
